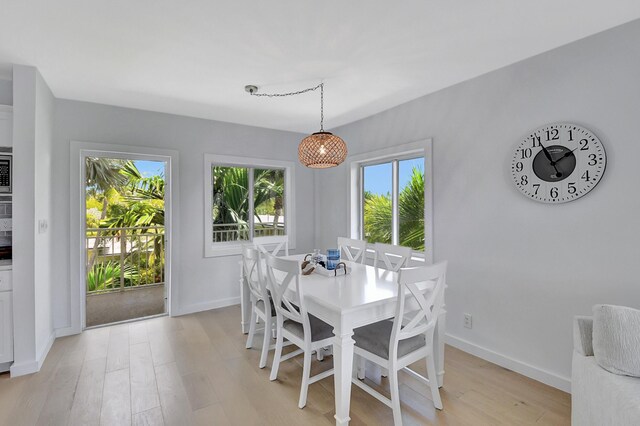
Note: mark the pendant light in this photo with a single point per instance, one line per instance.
(319, 150)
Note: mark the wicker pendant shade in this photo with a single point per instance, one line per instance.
(319, 150)
(322, 150)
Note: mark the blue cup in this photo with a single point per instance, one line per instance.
(333, 258)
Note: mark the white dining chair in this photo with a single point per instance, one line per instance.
(273, 244)
(394, 345)
(294, 323)
(261, 303)
(355, 250)
(392, 257)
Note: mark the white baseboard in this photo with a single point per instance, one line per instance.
(45, 350)
(20, 369)
(205, 306)
(67, 331)
(535, 373)
(33, 366)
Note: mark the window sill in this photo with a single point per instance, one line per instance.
(219, 250)
(232, 249)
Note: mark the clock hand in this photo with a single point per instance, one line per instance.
(566, 154)
(546, 153)
(553, 163)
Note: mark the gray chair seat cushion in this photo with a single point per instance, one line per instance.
(260, 305)
(320, 330)
(375, 338)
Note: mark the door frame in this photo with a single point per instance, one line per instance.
(77, 268)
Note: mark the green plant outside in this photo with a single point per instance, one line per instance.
(378, 214)
(106, 276)
(118, 196)
(230, 199)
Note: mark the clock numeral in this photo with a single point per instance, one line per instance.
(552, 135)
(584, 145)
(526, 153)
(570, 135)
(535, 141)
(537, 187)
(592, 160)
(585, 176)
(571, 188)
(524, 180)
(554, 192)
(519, 166)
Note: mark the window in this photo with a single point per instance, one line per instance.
(411, 203)
(245, 198)
(393, 201)
(377, 203)
(393, 186)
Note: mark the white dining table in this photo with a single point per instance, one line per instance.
(364, 296)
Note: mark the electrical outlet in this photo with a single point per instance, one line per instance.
(468, 321)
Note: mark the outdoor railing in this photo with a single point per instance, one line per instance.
(223, 232)
(122, 258)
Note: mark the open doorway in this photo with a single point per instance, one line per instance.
(124, 238)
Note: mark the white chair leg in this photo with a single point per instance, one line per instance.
(320, 354)
(306, 373)
(252, 327)
(395, 396)
(384, 372)
(362, 366)
(277, 355)
(433, 382)
(265, 342)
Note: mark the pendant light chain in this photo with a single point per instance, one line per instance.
(319, 150)
(281, 95)
(322, 107)
(299, 92)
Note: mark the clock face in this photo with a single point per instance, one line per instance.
(558, 163)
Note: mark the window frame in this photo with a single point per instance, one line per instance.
(231, 248)
(393, 155)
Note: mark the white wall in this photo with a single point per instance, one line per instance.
(24, 318)
(521, 268)
(204, 283)
(6, 92)
(32, 274)
(44, 270)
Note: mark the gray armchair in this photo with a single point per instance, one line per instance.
(598, 397)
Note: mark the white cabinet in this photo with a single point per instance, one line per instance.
(6, 125)
(5, 280)
(6, 329)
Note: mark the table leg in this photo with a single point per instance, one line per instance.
(342, 371)
(438, 343)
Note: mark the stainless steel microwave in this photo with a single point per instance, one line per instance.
(5, 174)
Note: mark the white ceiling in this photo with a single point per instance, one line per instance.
(194, 57)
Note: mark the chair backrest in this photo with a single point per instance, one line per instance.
(251, 266)
(355, 250)
(281, 275)
(429, 301)
(392, 257)
(272, 244)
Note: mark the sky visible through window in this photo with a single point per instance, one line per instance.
(377, 179)
(150, 168)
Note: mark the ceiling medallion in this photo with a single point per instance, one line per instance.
(319, 150)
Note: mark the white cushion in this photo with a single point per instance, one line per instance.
(616, 339)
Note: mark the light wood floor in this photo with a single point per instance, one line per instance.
(195, 370)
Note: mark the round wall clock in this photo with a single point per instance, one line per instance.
(558, 163)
